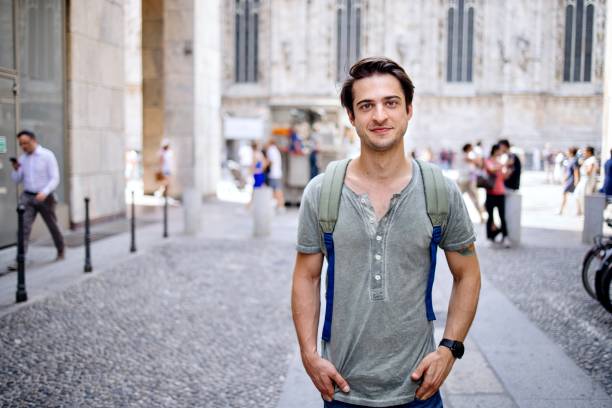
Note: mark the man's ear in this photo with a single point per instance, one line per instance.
(351, 117)
(409, 111)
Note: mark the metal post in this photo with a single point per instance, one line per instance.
(21, 295)
(133, 225)
(87, 267)
(166, 212)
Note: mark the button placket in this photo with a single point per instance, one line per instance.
(377, 277)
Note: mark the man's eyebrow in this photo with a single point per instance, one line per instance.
(386, 98)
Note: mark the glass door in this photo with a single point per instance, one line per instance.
(8, 149)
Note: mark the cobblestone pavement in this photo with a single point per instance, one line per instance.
(542, 278)
(203, 323)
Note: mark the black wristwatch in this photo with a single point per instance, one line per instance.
(456, 347)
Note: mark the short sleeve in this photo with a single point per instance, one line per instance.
(459, 230)
(309, 236)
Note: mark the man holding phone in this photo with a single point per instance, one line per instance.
(37, 169)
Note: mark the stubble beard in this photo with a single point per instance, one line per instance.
(382, 146)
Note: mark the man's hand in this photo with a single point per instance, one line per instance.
(433, 370)
(15, 164)
(40, 197)
(323, 375)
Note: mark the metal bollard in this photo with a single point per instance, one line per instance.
(21, 295)
(166, 212)
(87, 267)
(133, 226)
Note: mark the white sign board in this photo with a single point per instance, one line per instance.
(243, 128)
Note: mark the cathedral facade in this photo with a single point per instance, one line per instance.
(530, 71)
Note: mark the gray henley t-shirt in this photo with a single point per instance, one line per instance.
(380, 331)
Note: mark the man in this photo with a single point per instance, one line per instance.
(275, 175)
(38, 171)
(381, 352)
(513, 182)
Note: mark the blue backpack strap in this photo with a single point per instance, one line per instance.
(436, 198)
(329, 206)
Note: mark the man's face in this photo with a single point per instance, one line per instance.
(381, 116)
(503, 149)
(27, 144)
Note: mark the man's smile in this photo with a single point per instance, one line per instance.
(381, 129)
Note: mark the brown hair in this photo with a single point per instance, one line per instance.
(368, 67)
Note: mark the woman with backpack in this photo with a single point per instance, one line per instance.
(496, 196)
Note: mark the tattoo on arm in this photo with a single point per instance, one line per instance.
(469, 250)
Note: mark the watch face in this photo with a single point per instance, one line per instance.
(456, 347)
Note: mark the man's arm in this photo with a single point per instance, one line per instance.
(435, 367)
(305, 306)
(53, 173)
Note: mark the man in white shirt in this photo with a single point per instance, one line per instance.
(37, 169)
(275, 175)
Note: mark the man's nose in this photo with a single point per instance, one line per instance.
(380, 115)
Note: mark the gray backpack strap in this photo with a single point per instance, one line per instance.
(436, 193)
(331, 191)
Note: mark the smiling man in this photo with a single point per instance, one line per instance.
(379, 350)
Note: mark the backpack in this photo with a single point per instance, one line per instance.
(436, 197)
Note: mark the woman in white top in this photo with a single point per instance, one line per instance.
(467, 168)
(588, 177)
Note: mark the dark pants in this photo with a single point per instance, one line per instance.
(491, 203)
(434, 402)
(47, 211)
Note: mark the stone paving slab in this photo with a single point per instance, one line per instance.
(187, 324)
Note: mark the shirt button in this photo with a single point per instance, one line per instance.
(378, 237)
(363, 201)
(377, 277)
(372, 219)
(377, 256)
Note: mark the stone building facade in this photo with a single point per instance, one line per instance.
(530, 71)
(95, 78)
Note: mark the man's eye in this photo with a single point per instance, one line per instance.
(366, 106)
(392, 104)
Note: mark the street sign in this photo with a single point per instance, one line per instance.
(2, 144)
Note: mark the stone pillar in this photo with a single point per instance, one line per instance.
(182, 91)
(262, 211)
(208, 79)
(96, 90)
(514, 204)
(594, 206)
(152, 88)
(133, 74)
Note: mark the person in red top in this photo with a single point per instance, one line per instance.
(496, 197)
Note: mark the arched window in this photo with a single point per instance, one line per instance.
(348, 39)
(246, 36)
(578, 53)
(460, 41)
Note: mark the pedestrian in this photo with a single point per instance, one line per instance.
(466, 179)
(166, 166)
(588, 178)
(496, 197)
(275, 175)
(513, 165)
(379, 351)
(571, 176)
(607, 185)
(259, 163)
(37, 169)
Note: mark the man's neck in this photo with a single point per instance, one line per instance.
(383, 166)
